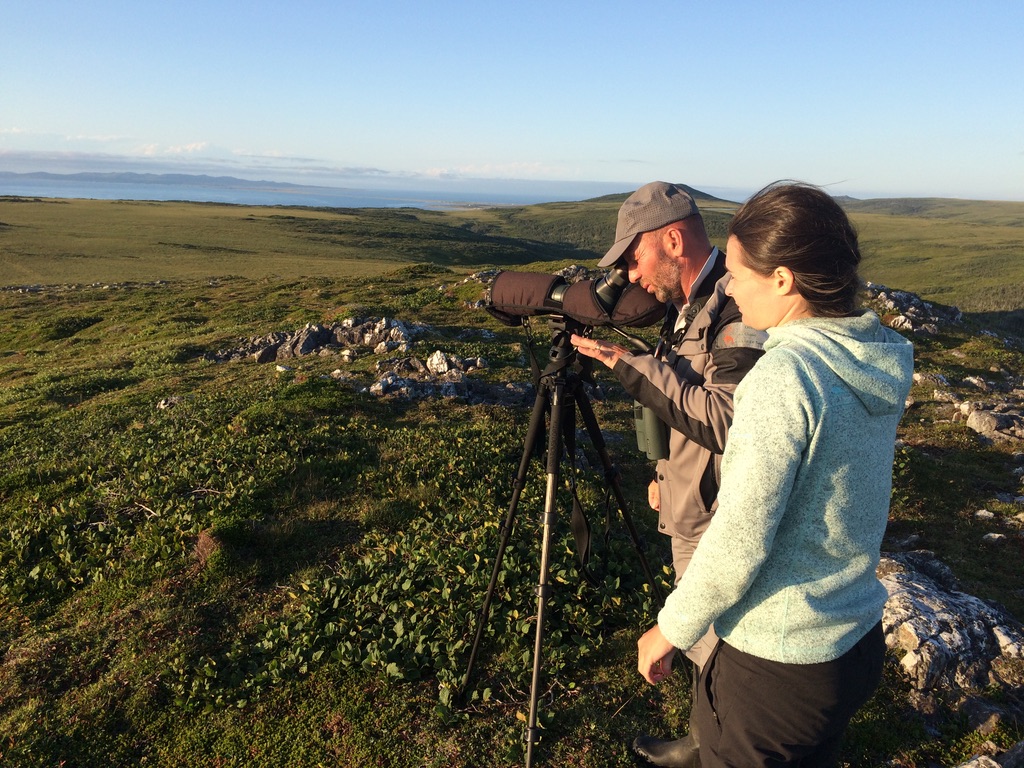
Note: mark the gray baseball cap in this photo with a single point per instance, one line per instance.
(651, 207)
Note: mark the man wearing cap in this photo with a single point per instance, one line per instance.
(687, 383)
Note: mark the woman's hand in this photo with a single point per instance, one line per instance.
(654, 656)
(604, 351)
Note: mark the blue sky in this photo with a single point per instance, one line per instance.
(872, 99)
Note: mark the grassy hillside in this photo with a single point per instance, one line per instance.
(86, 241)
(989, 212)
(964, 253)
(953, 252)
(235, 564)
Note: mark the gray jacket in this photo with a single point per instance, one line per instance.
(690, 386)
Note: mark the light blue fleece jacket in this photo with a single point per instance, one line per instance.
(786, 570)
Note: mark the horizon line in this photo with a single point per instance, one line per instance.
(435, 184)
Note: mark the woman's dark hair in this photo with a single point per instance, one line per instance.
(798, 226)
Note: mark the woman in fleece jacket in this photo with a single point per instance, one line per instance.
(786, 570)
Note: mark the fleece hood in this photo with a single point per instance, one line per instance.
(875, 362)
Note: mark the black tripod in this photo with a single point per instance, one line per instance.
(558, 383)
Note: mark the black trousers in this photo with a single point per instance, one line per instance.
(754, 713)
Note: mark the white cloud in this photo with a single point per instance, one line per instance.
(188, 149)
(101, 139)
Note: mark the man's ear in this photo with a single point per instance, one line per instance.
(672, 240)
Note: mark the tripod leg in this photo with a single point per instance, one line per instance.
(612, 476)
(533, 436)
(543, 589)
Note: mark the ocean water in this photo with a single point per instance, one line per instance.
(241, 194)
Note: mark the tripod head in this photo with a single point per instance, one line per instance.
(563, 355)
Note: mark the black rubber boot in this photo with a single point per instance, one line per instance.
(678, 753)
(674, 753)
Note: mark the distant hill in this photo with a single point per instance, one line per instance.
(696, 194)
(201, 180)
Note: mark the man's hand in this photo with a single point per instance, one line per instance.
(654, 496)
(604, 351)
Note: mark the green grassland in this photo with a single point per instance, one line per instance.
(955, 252)
(281, 569)
(962, 253)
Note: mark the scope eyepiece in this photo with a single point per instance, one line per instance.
(610, 287)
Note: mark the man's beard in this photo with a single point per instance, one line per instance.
(668, 277)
